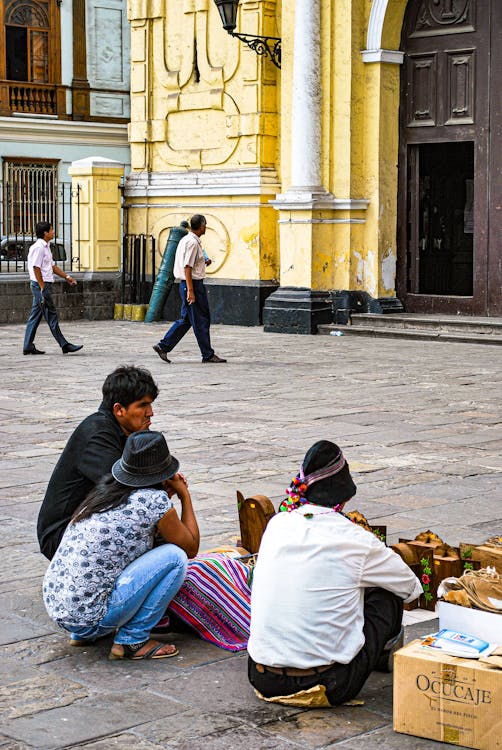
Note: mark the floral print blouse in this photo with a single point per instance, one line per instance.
(94, 552)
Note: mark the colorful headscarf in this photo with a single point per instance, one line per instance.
(327, 461)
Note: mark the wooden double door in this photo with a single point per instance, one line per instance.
(450, 158)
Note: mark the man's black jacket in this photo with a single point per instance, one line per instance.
(89, 454)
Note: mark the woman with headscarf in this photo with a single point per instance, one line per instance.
(327, 595)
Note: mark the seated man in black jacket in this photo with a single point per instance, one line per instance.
(95, 445)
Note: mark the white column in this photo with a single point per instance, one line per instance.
(306, 190)
(306, 119)
(66, 11)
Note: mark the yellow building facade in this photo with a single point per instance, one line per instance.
(296, 169)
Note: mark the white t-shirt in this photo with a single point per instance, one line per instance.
(189, 253)
(307, 597)
(40, 255)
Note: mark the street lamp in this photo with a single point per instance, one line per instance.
(270, 46)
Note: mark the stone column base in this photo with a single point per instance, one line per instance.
(232, 302)
(296, 310)
(345, 303)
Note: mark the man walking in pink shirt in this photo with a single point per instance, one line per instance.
(42, 267)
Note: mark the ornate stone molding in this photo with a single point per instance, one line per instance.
(217, 182)
(374, 51)
(322, 221)
(303, 200)
(383, 56)
(41, 130)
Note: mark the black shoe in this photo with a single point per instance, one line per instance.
(32, 351)
(69, 348)
(385, 661)
(162, 354)
(214, 359)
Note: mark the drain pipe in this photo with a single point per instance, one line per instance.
(165, 277)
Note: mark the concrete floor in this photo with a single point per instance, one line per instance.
(419, 422)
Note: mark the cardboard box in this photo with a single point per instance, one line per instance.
(485, 625)
(447, 699)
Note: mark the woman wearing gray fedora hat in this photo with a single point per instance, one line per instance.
(107, 576)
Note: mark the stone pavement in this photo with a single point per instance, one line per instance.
(420, 423)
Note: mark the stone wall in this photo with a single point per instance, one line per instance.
(92, 299)
(231, 302)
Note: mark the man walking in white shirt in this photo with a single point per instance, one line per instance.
(327, 595)
(42, 267)
(190, 269)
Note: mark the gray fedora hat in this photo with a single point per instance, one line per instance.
(145, 461)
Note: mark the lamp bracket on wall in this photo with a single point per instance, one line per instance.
(270, 46)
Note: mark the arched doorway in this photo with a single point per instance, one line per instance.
(449, 212)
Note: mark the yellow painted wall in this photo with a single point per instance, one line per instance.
(202, 102)
(238, 249)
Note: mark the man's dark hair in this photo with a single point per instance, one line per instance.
(41, 228)
(127, 384)
(197, 221)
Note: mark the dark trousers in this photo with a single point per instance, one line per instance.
(194, 316)
(38, 311)
(383, 613)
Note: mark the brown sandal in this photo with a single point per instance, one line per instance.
(130, 650)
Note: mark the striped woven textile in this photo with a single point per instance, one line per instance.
(215, 600)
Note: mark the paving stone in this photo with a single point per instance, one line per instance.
(11, 670)
(119, 742)
(89, 719)
(322, 727)
(91, 667)
(419, 423)
(48, 648)
(378, 700)
(185, 727)
(243, 737)
(23, 508)
(22, 492)
(387, 739)
(25, 601)
(7, 744)
(224, 690)
(35, 694)
(12, 531)
(11, 629)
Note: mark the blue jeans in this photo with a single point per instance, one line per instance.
(39, 311)
(140, 596)
(196, 316)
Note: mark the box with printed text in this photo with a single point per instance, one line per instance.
(447, 699)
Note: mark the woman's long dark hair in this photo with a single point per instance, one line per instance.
(107, 495)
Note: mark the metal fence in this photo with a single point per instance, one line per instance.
(138, 268)
(30, 198)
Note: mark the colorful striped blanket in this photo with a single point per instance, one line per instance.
(215, 600)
